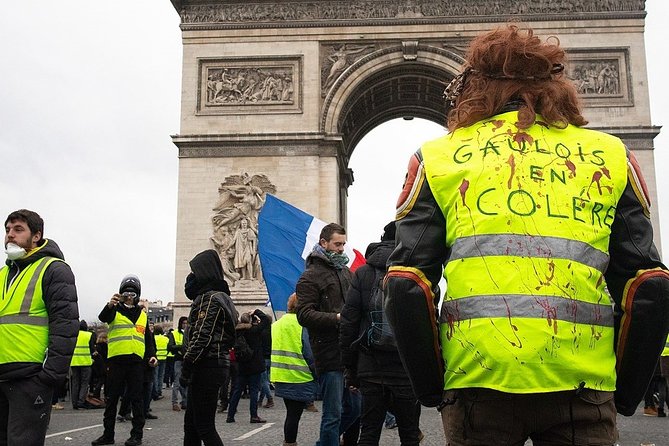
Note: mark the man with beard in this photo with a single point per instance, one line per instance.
(320, 297)
(39, 314)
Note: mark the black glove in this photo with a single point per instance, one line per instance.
(351, 378)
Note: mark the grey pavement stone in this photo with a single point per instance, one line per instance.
(78, 428)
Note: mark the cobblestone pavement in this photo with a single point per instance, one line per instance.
(74, 428)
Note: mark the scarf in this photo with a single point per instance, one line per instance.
(338, 261)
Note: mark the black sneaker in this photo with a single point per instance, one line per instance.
(133, 441)
(661, 413)
(102, 440)
(150, 416)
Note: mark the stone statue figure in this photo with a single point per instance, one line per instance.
(235, 226)
(224, 243)
(246, 250)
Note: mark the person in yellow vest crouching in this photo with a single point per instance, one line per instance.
(81, 367)
(292, 369)
(128, 346)
(39, 320)
(556, 305)
(161, 356)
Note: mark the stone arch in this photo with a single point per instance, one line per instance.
(411, 83)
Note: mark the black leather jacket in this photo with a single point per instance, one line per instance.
(637, 281)
(211, 329)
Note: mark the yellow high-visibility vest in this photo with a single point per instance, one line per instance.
(24, 321)
(82, 352)
(161, 347)
(286, 362)
(126, 338)
(528, 220)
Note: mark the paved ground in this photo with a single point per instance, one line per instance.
(75, 428)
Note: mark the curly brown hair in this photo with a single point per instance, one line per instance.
(509, 64)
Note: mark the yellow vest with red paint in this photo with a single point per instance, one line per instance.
(528, 219)
(126, 338)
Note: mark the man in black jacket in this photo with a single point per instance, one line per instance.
(320, 297)
(129, 344)
(38, 341)
(376, 370)
(210, 336)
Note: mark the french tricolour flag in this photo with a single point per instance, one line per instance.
(286, 235)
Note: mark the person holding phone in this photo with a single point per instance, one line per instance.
(128, 346)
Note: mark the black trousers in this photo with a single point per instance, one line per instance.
(120, 376)
(200, 417)
(377, 399)
(294, 411)
(25, 410)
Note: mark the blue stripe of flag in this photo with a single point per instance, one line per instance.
(282, 232)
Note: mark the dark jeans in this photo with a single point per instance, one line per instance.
(200, 418)
(484, 416)
(147, 388)
(81, 377)
(227, 385)
(169, 371)
(158, 377)
(253, 381)
(25, 410)
(341, 408)
(128, 375)
(294, 411)
(377, 399)
(265, 391)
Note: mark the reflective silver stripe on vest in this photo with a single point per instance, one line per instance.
(127, 338)
(24, 319)
(299, 368)
(288, 354)
(30, 291)
(117, 326)
(520, 305)
(529, 246)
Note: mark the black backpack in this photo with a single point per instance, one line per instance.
(243, 351)
(379, 335)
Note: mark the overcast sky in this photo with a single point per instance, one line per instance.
(89, 96)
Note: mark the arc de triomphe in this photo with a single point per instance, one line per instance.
(276, 95)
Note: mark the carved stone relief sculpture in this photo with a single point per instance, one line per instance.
(601, 76)
(397, 9)
(337, 58)
(254, 85)
(235, 227)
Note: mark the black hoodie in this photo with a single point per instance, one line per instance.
(213, 317)
(60, 297)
